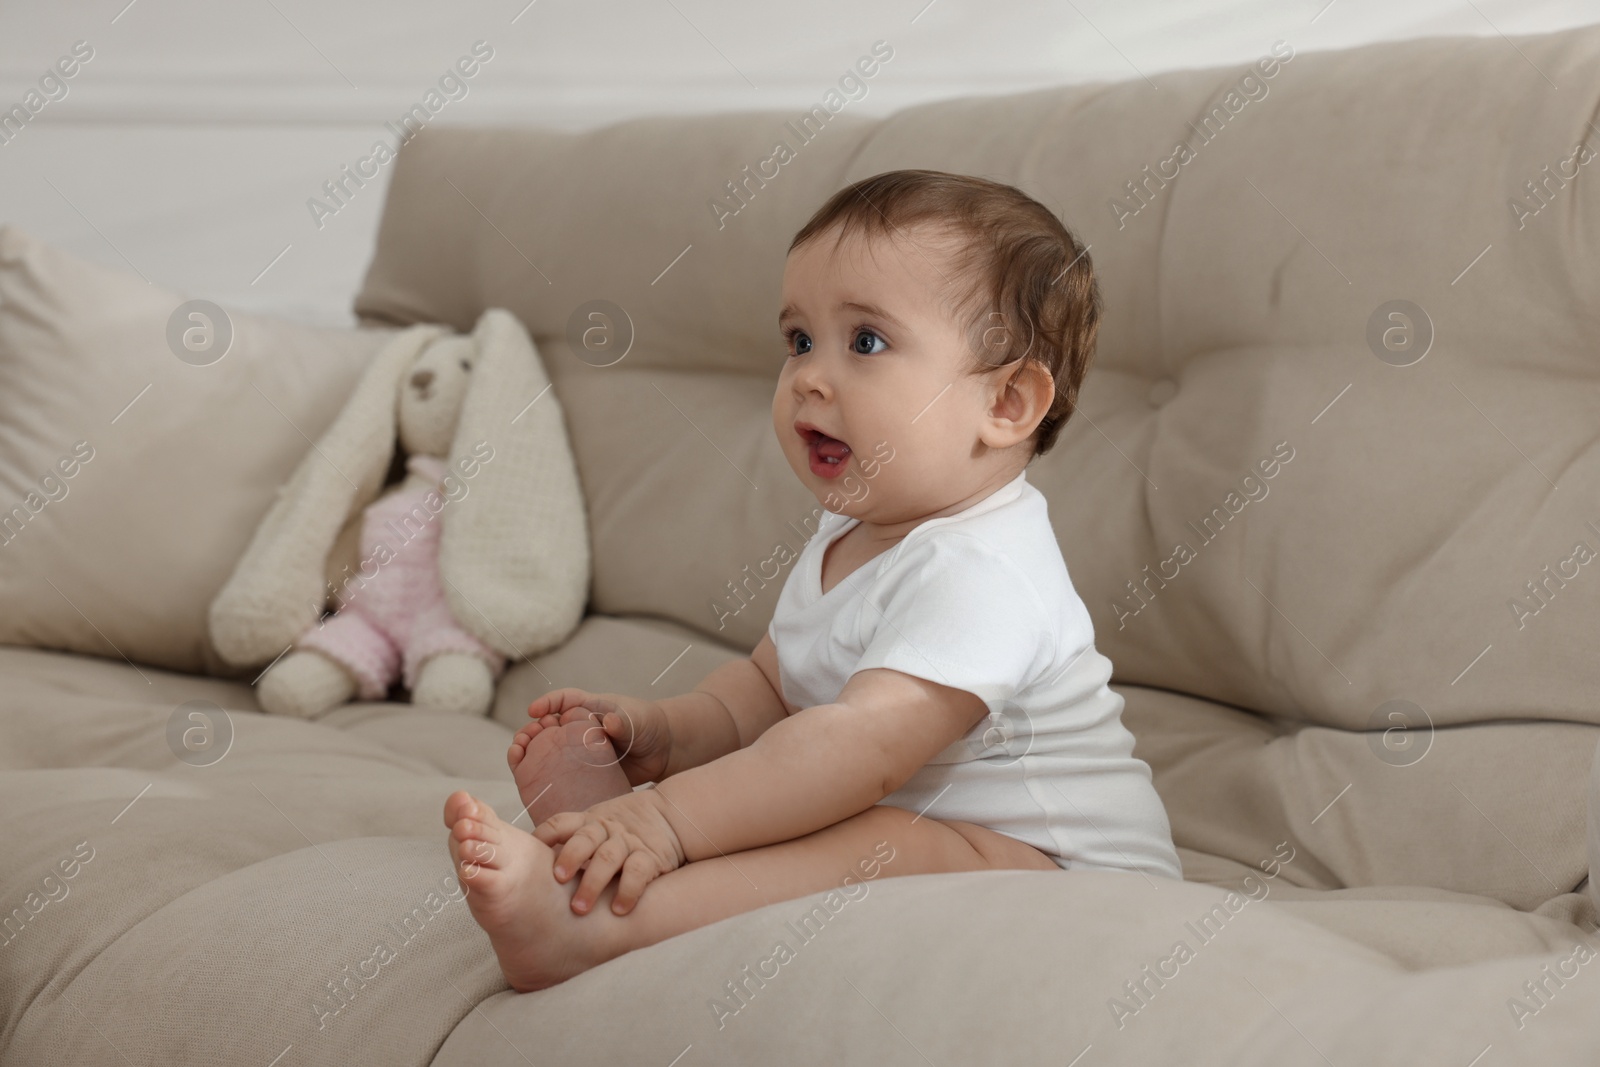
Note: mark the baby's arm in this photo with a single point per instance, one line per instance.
(816, 767)
(734, 705)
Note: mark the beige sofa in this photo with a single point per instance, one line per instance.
(1365, 682)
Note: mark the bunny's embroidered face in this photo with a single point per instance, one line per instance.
(431, 395)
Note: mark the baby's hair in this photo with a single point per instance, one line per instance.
(1034, 279)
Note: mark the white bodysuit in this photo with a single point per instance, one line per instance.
(981, 601)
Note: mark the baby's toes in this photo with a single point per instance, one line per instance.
(457, 806)
(478, 841)
(473, 855)
(472, 818)
(465, 855)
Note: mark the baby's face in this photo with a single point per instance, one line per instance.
(876, 361)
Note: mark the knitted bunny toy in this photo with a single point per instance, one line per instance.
(478, 553)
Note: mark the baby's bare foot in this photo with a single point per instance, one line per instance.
(514, 897)
(565, 768)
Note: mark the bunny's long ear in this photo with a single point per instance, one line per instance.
(278, 588)
(514, 552)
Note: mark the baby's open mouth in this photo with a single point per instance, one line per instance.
(828, 451)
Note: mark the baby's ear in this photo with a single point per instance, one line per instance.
(1022, 396)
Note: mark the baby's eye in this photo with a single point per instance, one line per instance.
(869, 350)
(796, 339)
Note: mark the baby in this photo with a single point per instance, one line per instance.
(928, 697)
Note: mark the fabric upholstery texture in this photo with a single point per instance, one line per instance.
(1394, 880)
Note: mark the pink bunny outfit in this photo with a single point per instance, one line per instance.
(397, 618)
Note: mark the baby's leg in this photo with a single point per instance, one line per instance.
(540, 941)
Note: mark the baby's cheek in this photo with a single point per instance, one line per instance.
(851, 487)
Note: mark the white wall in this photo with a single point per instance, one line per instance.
(187, 147)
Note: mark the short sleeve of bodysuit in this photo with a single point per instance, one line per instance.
(956, 611)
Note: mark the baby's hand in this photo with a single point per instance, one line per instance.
(627, 833)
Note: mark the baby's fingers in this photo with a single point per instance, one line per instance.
(603, 866)
(638, 871)
(577, 851)
(558, 827)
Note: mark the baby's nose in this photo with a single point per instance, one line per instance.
(422, 379)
